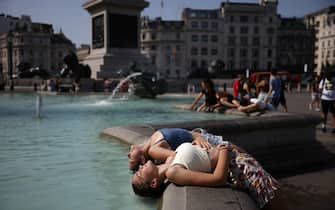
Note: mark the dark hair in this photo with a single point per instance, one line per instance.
(274, 72)
(147, 191)
(135, 167)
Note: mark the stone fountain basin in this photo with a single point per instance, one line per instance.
(283, 143)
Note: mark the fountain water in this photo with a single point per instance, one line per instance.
(122, 82)
(38, 105)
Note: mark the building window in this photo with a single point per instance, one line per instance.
(270, 20)
(177, 35)
(231, 40)
(194, 64)
(204, 51)
(232, 29)
(178, 73)
(215, 25)
(243, 64)
(204, 24)
(269, 65)
(243, 52)
(256, 30)
(269, 53)
(204, 38)
(243, 19)
(167, 60)
(214, 51)
(194, 38)
(255, 52)
(270, 30)
(153, 47)
(153, 36)
(194, 51)
(153, 60)
(270, 41)
(143, 36)
(255, 41)
(214, 38)
(167, 71)
(255, 64)
(194, 24)
(231, 18)
(244, 30)
(256, 19)
(230, 64)
(244, 40)
(204, 64)
(231, 52)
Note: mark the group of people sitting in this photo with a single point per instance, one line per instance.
(267, 96)
(197, 158)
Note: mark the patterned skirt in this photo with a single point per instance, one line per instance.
(247, 174)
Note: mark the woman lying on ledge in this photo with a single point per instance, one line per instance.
(217, 166)
(164, 141)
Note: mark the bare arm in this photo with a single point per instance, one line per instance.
(196, 100)
(160, 153)
(266, 99)
(182, 176)
(198, 139)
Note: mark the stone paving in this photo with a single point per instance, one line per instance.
(313, 190)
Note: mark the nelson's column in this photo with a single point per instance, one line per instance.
(115, 42)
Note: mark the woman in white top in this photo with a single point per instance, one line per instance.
(219, 166)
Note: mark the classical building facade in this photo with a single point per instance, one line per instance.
(163, 43)
(295, 49)
(23, 41)
(323, 24)
(242, 35)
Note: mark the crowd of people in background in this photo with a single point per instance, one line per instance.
(245, 96)
(266, 94)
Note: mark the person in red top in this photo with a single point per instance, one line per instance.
(236, 85)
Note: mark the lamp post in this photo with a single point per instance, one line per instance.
(10, 58)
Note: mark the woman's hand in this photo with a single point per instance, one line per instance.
(223, 146)
(201, 142)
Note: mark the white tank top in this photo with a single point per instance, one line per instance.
(193, 158)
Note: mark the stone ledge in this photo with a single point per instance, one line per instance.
(252, 133)
(265, 134)
(204, 198)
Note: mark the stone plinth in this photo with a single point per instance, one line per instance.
(115, 35)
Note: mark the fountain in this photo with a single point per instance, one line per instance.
(117, 88)
(38, 105)
(145, 85)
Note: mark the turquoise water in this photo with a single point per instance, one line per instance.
(60, 161)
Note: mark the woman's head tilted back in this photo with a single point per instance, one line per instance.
(146, 181)
(135, 157)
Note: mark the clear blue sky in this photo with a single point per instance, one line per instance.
(75, 21)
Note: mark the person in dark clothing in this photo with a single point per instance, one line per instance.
(209, 92)
(282, 99)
